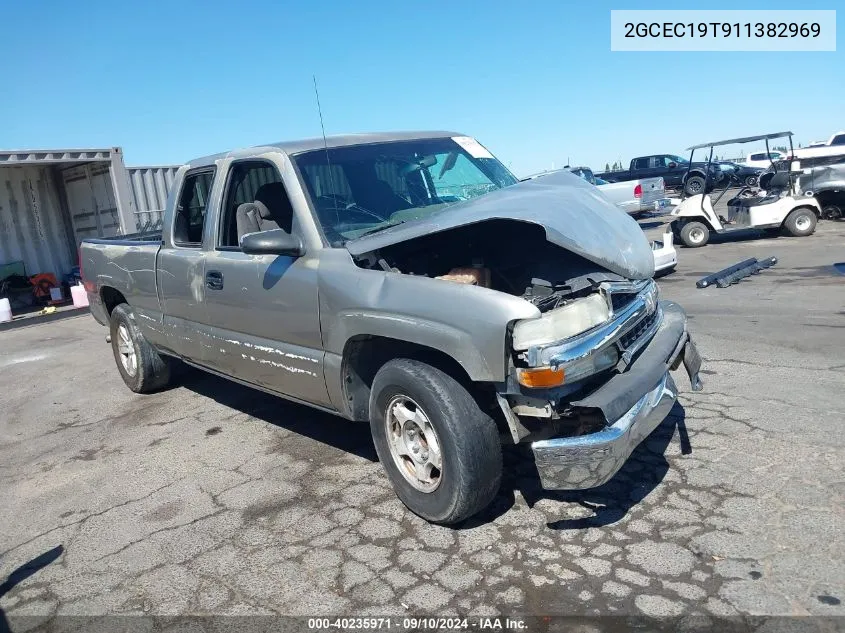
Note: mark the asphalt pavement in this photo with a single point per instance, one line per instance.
(213, 498)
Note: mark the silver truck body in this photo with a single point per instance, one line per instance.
(634, 197)
(297, 326)
(623, 194)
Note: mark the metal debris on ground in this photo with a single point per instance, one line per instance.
(732, 274)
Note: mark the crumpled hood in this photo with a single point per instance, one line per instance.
(575, 214)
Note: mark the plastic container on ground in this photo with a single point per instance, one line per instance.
(5, 310)
(80, 297)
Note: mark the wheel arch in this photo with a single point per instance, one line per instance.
(695, 172)
(111, 298)
(830, 196)
(694, 218)
(364, 355)
(816, 211)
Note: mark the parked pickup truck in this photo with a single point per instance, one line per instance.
(633, 196)
(676, 171)
(410, 281)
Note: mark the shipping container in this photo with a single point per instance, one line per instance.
(50, 200)
(34, 227)
(150, 186)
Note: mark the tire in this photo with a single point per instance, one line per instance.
(832, 212)
(694, 185)
(801, 222)
(695, 234)
(676, 229)
(440, 408)
(750, 181)
(142, 368)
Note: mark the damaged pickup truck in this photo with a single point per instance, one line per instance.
(408, 280)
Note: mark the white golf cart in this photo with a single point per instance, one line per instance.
(776, 206)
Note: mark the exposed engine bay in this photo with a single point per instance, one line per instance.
(505, 255)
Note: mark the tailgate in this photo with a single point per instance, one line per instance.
(653, 190)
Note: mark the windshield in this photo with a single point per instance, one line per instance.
(367, 188)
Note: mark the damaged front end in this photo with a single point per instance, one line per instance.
(601, 391)
(587, 377)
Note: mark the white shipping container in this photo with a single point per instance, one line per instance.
(50, 200)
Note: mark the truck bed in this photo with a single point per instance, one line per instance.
(127, 265)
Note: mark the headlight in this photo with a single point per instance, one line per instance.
(574, 318)
(546, 377)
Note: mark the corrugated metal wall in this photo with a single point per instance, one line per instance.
(33, 226)
(149, 187)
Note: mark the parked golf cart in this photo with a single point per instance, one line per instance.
(777, 207)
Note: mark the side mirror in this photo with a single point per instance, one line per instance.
(672, 165)
(273, 242)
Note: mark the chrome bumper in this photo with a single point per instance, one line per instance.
(587, 461)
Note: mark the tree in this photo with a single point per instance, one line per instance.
(607, 166)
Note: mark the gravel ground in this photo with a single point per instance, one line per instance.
(213, 498)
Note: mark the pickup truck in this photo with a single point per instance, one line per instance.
(633, 196)
(410, 281)
(823, 178)
(674, 171)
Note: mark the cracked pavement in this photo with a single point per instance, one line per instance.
(213, 498)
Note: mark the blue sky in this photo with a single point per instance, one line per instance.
(535, 82)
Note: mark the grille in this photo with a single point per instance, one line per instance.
(637, 331)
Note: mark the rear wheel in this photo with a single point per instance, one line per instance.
(142, 368)
(442, 453)
(694, 185)
(695, 234)
(801, 222)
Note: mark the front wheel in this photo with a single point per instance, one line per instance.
(442, 453)
(751, 181)
(801, 222)
(694, 185)
(695, 234)
(142, 368)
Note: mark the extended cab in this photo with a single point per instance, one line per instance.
(410, 281)
(676, 171)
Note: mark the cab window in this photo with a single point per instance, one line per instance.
(255, 200)
(191, 208)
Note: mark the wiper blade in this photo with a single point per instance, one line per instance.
(383, 227)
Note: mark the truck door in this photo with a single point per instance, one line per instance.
(642, 167)
(261, 310)
(672, 175)
(181, 265)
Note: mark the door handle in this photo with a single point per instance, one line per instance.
(214, 280)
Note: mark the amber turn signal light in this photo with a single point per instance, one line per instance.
(540, 377)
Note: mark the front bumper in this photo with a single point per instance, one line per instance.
(633, 403)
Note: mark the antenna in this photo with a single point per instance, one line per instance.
(326, 148)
